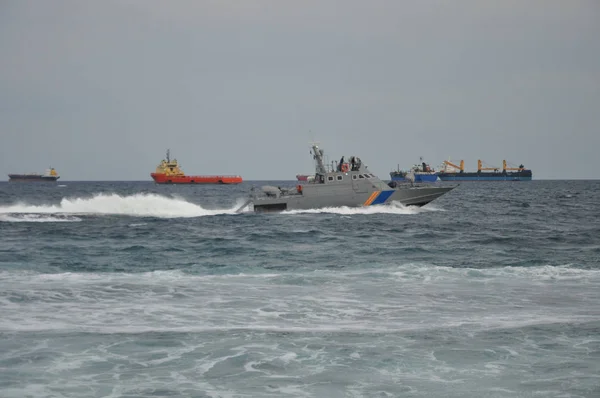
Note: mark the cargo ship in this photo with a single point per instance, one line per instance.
(452, 172)
(169, 172)
(49, 176)
(418, 173)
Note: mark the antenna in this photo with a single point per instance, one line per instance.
(168, 155)
(318, 157)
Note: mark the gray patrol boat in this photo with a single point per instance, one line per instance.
(342, 184)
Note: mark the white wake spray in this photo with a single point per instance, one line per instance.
(392, 208)
(153, 205)
(138, 205)
(37, 218)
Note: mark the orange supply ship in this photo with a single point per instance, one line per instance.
(168, 172)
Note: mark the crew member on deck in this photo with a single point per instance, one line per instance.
(341, 163)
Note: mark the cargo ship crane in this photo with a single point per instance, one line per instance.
(504, 168)
(461, 167)
(481, 168)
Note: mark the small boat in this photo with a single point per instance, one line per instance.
(348, 184)
(49, 176)
(169, 172)
(418, 173)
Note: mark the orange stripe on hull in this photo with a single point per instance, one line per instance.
(165, 179)
(371, 198)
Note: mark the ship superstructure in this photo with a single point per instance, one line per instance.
(421, 172)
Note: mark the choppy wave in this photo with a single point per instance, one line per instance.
(414, 271)
(331, 301)
(138, 205)
(484, 297)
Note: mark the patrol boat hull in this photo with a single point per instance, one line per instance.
(408, 196)
(347, 184)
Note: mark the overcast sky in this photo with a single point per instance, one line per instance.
(100, 89)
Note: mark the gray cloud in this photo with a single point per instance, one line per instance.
(99, 90)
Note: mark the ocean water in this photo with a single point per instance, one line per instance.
(130, 289)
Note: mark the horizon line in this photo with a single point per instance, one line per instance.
(277, 179)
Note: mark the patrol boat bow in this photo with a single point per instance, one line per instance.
(345, 184)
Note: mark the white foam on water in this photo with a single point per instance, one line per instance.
(406, 298)
(159, 278)
(411, 272)
(393, 208)
(138, 205)
(125, 321)
(37, 218)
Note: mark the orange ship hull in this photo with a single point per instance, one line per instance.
(165, 179)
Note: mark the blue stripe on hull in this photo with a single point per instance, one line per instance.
(419, 178)
(486, 178)
(426, 177)
(382, 197)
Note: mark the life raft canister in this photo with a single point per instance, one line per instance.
(345, 167)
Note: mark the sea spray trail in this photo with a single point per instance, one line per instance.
(139, 205)
(20, 217)
(392, 208)
(152, 205)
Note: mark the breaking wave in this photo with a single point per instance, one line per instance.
(138, 205)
